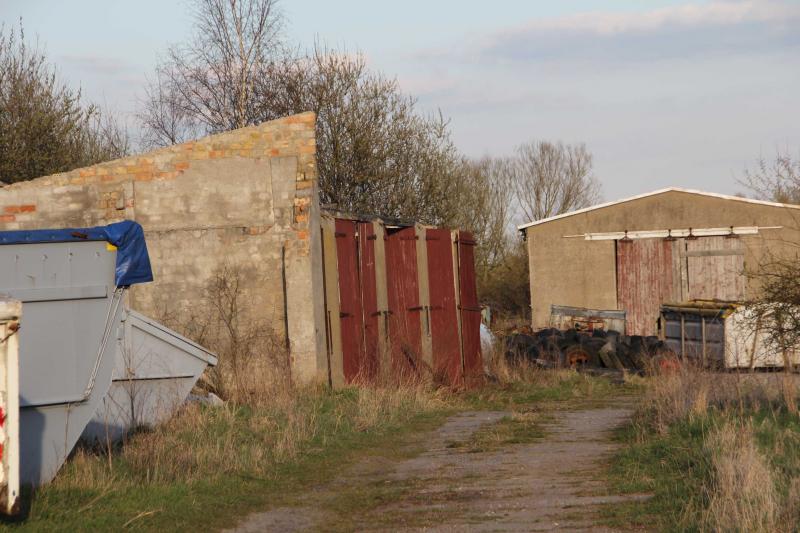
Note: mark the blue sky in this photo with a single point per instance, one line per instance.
(662, 92)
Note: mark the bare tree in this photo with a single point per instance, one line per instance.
(207, 85)
(506, 287)
(775, 311)
(553, 178)
(163, 120)
(485, 201)
(777, 180)
(44, 125)
(545, 179)
(375, 152)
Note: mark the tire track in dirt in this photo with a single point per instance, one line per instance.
(551, 484)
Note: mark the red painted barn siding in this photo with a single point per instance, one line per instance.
(443, 313)
(369, 299)
(351, 310)
(645, 280)
(440, 301)
(405, 329)
(470, 308)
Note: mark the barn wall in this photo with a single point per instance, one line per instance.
(582, 273)
(246, 199)
(569, 272)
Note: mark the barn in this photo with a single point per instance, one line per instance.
(636, 254)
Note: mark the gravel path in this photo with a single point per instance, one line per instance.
(548, 485)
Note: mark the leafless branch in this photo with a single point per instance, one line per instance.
(553, 178)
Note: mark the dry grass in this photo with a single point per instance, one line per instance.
(204, 443)
(523, 371)
(738, 434)
(743, 495)
(689, 392)
(271, 438)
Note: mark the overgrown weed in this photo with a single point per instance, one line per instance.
(719, 451)
(206, 442)
(522, 383)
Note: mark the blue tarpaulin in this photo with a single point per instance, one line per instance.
(133, 262)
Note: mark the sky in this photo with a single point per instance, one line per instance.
(663, 93)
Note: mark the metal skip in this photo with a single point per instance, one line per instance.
(71, 361)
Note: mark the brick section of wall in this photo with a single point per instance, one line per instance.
(246, 197)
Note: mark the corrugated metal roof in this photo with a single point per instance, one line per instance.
(654, 193)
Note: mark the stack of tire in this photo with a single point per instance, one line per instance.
(572, 348)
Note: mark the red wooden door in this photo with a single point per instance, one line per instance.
(405, 331)
(369, 299)
(645, 280)
(442, 314)
(350, 303)
(470, 308)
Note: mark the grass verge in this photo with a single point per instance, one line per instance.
(718, 452)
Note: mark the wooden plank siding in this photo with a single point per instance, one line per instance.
(715, 269)
(646, 277)
(651, 272)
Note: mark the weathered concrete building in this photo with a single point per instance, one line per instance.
(671, 245)
(246, 197)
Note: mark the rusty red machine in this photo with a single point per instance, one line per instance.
(400, 302)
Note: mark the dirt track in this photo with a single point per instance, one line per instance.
(547, 485)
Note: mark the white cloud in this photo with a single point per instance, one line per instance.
(685, 95)
(96, 64)
(602, 38)
(688, 15)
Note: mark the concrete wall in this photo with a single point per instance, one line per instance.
(246, 198)
(576, 272)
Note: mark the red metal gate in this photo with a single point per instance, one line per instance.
(469, 308)
(350, 304)
(442, 314)
(369, 299)
(391, 291)
(405, 331)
